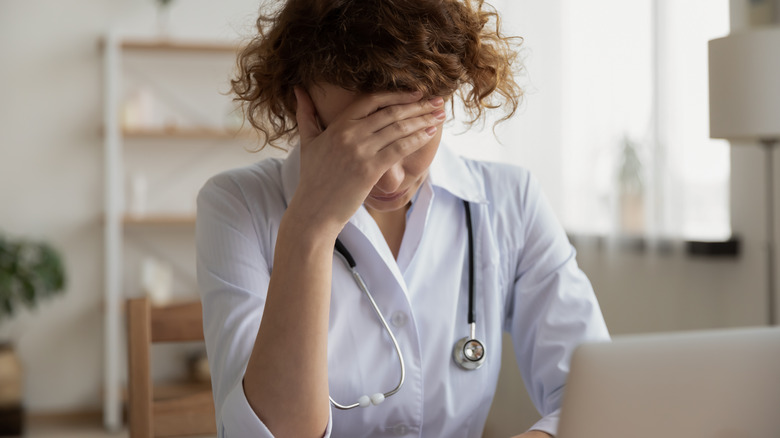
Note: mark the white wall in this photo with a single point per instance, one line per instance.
(533, 138)
(51, 181)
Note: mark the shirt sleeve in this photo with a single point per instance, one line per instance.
(552, 306)
(233, 277)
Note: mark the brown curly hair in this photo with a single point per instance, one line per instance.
(439, 47)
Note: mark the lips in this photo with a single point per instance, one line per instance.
(389, 197)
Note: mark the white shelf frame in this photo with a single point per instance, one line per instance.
(113, 342)
(116, 220)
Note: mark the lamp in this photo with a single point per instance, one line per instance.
(745, 106)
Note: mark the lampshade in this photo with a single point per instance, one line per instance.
(745, 85)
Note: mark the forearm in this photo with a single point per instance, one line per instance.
(286, 381)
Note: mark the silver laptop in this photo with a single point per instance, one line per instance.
(705, 384)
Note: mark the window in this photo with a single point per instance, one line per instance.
(638, 158)
(615, 123)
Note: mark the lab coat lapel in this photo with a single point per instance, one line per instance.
(364, 232)
(451, 173)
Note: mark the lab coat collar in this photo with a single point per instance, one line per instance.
(448, 171)
(453, 174)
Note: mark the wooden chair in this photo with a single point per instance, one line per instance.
(152, 413)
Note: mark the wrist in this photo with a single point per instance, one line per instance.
(305, 226)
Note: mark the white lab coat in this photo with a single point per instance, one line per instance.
(527, 283)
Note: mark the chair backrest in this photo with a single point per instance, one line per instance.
(186, 413)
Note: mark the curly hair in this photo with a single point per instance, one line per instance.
(439, 47)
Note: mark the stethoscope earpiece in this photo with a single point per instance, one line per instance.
(366, 401)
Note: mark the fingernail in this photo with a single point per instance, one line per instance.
(436, 101)
(417, 93)
(439, 114)
(431, 130)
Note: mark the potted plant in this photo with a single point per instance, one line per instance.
(29, 271)
(631, 188)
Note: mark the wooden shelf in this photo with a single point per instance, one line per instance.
(159, 220)
(179, 46)
(185, 133)
(151, 60)
(172, 390)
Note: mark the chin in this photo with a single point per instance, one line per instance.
(385, 207)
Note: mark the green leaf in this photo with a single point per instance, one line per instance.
(29, 271)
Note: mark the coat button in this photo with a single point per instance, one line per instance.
(400, 429)
(399, 319)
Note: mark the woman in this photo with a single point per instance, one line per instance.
(292, 338)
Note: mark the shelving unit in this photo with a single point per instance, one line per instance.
(158, 220)
(185, 133)
(178, 46)
(184, 145)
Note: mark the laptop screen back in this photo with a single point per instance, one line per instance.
(709, 384)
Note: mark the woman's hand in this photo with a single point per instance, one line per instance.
(341, 164)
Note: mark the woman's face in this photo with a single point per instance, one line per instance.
(397, 186)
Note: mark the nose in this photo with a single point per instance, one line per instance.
(391, 181)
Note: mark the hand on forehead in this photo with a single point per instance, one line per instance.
(331, 101)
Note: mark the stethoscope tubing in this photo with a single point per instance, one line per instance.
(342, 251)
(472, 314)
(459, 352)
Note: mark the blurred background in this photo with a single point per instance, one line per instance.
(114, 113)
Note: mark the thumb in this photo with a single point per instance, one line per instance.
(305, 115)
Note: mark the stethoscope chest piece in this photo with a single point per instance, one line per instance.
(469, 353)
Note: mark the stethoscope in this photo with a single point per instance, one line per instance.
(468, 352)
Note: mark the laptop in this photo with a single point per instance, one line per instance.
(703, 384)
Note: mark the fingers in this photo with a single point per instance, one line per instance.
(402, 147)
(393, 124)
(400, 129)
(397, 113)
(371, 103)
(305, 115)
